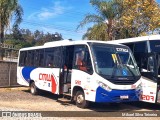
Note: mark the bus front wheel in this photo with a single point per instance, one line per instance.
(80, 100)
(33, 89)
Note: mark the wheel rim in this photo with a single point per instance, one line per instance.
(80, 99)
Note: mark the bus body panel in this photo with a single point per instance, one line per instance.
(116, 95)
(93, 92)
(20, 79)
(49, 79)
(148, 90)
(86, 82)
(44, 78)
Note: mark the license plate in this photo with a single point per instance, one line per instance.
(124, 97)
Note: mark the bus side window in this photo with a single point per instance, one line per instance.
(41, 58)
(49, 57)
(30, 58)
(22, 59)
(36, 58)
(130, 45)
(82, 60)
(57, 57)
(88, 63)
(140, 48)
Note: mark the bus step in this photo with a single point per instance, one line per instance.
(67, 94)
(64, 100)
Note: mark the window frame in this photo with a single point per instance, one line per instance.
(22, 59)
(86, 49)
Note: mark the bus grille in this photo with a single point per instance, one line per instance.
(124, 82)
(128, 81)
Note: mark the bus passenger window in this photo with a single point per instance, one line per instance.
(22, 59)
(57, 57)
(140, 48)
(53, 57)
(82, 60)
(41, 58)
(49, 57)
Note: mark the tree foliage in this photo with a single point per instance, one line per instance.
(140, 17)
(123, 18)
(21, 38)
(97, 32)
(8, 10)
(107, 12)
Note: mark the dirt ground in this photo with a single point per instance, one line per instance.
(20, 99)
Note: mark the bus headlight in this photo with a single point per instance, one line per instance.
(104, 86)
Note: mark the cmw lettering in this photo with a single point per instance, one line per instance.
(46, 77)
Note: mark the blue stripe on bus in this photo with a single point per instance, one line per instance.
(114, 96)
(26, 73)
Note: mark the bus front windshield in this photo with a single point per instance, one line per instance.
(114, 61)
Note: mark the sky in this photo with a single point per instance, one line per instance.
(62, 16)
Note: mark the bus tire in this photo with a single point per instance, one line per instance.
(33, 89)
(80, 100)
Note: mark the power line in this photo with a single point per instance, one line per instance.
(72, 33)
(50, 26)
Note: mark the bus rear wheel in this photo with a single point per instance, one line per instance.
(80, 100)
(33, 89)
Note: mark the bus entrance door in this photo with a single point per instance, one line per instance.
(149, 74)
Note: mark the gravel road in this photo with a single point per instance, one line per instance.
(20, 99)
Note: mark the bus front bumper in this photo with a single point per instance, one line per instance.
(116, 95)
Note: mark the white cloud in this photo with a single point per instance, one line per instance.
(50, 12)
(45, 14)
(53, 30)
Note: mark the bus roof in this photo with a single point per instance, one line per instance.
(136, 39)
(67, 43)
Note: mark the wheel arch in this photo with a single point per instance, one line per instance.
(75, 89)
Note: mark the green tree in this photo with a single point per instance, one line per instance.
(97, 32)
(9, 9)
(108, 11)
(135, 18)
(140, 17)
